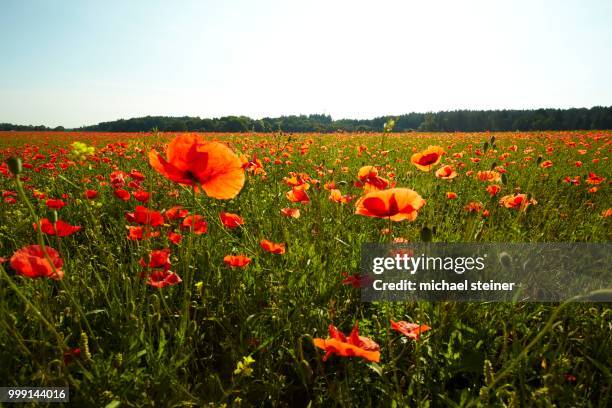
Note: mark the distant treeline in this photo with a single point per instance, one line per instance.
(448, 121)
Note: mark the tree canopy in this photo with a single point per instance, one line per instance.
(598, 117)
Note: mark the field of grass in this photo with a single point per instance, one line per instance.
(243, 336)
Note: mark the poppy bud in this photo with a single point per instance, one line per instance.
(14, 165)
(505, 260)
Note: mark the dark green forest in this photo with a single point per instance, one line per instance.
(598, 117)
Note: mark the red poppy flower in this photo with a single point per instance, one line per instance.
(272, 247)
(397, 204)
(231, 220)
(493, 189)
(161, 279)
(55, 204)
(136, 175)
(91, 194)
(158, 258)
(237, 261)
(61, 228)
(174, 237)
(517, 201)
(71, 355)
(138, 233)
(122, 194)
(141, 196)
(356, 280)
(31, 262)
(193, 161)
(446, 172)
(489, 175)
(368, 177)
(352, 346)
(200, 226)
(336, 196)
(594, 179)
(297, 195)
(290, 212)
(451, 195)
(411, 330)
(176, 213)
(428, 158)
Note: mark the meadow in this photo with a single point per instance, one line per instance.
(174, 281)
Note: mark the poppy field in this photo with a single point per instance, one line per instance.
(184, 269)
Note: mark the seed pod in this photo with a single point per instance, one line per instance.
(15, 165)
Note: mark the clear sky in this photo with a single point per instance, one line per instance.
(74, 63)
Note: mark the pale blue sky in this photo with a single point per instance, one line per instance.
(74, 63)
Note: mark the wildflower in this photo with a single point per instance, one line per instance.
(446, 172)
(410, 330)
(397, 204)
(272, 247)
(237, 261)
(290, 212)
(197, 222)
(428, 158)
(60, 228)
(244, 367)
(519, 201)
(230, 220)
(210, 165)
(352, 346)
(30, 261)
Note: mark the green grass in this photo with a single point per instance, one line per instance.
(179, 346)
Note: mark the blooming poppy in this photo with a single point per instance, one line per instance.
(594, 179)
(61, 228)
(607, 213)
(411, 330)
(197, 222)
(356, 280)
(158, 258)
(161, 279)
(55, 204)
(142, 196)
(231, 220)
(174, 237)
(451, 195)
(297, 195)
(290, 212)
(546, 164)
(397, 204)
(144, 216)
(193, 161)
(368, 176)
(91, 194)
(446, 172)
(176, 213)
(489, 175)
(30, 261)
(474, 206)
(352, 346)
(493, 189)
(138, 233)
(237, 261)
(336, 196)
(428, 158)
(518, 201)
(122, 194)
(272, 247)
